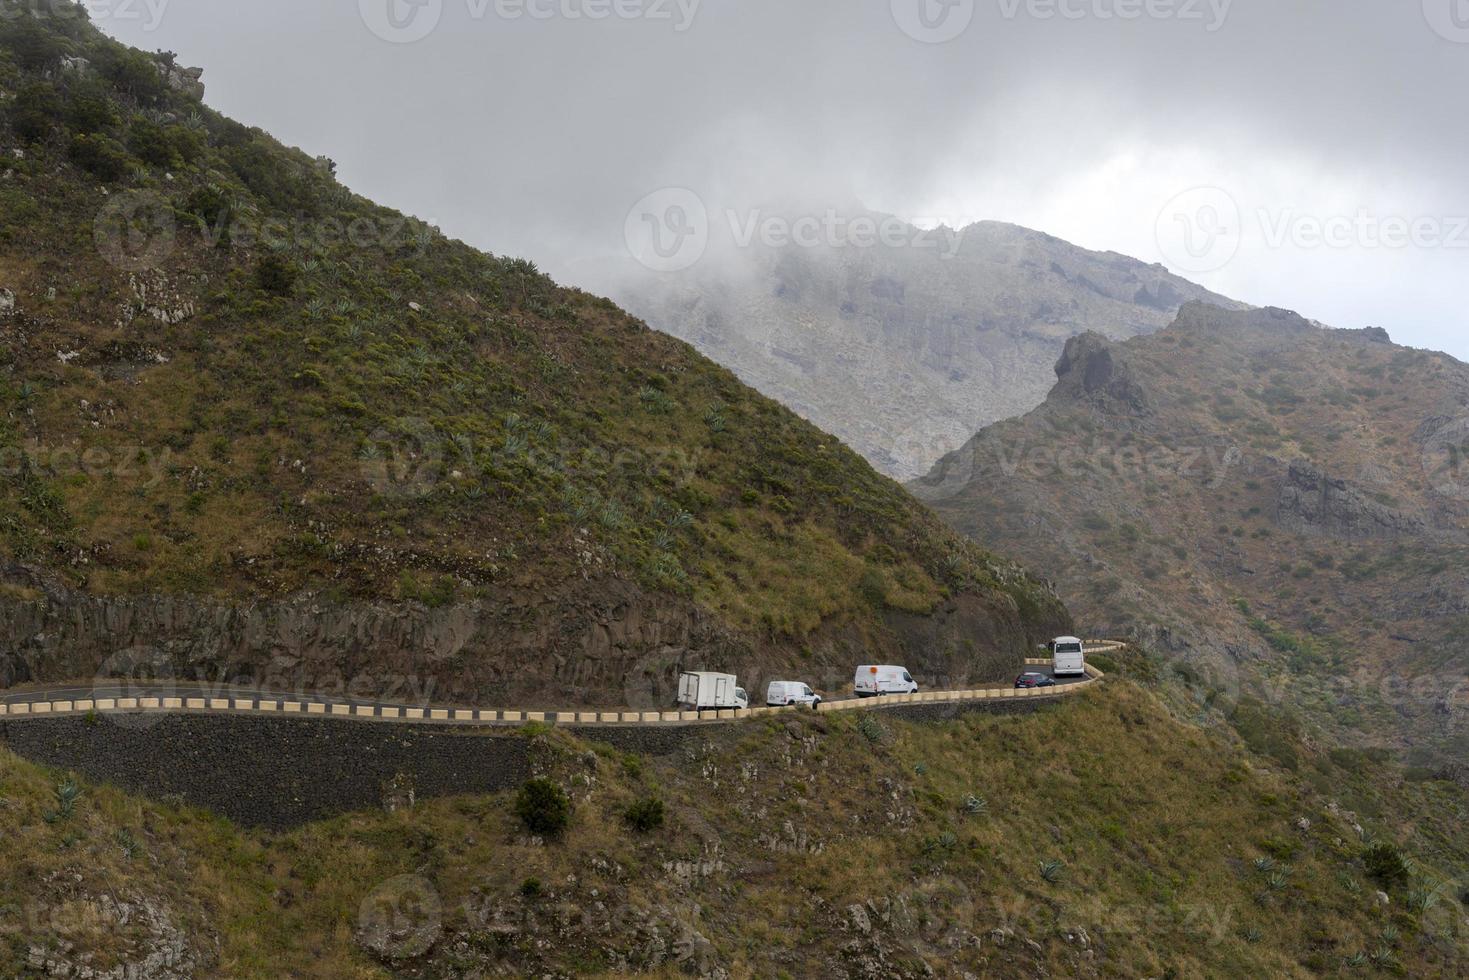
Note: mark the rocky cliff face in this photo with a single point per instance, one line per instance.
(1312, 502)
(905, 351)
(1276, 503)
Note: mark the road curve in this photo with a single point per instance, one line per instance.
(111, 697)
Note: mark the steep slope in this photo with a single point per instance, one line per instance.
(813, 846)
(256, 425)
(1290, 504)
(904, 350)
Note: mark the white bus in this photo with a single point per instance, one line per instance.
(1068, 657)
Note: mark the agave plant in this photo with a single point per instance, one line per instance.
(1356, 961)
(975, 805)
(1264, 865)
(1252, 935)
(1385, 958)
(1052, 871)
(68, 793)
(612, 516)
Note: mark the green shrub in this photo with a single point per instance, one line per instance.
(530, 888)
(100, 156)
(36, 111)
(645, 816)
(152, 145)
(543, 807)
(275, 276)
(1385, 863)
(211, 206)
(89, 109)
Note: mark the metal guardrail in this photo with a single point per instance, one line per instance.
(276, 707)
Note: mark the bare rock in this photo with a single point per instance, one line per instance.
(1313, 502)
(1090, 370)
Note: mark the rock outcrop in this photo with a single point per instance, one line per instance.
(185, 80)
(1089, 370)
(1313, 502)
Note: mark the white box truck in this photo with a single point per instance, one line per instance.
(700, 690)
(1068, 657)
(872, 681)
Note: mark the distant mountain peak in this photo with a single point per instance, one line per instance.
(904, 351)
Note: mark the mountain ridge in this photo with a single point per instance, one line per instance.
(906, 349)
(1281, 503)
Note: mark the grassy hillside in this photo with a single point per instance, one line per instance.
(1096, 838)
(1284, 505)
(224, 375)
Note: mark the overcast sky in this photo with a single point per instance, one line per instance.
(1310, 154)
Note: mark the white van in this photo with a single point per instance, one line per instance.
(872, 681)
(704, 691)
(1068, 657)
(781, 693)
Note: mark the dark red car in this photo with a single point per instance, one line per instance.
(1035, 679)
